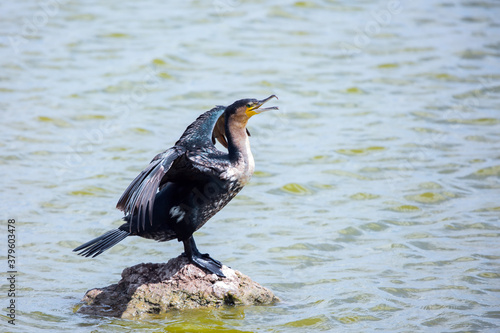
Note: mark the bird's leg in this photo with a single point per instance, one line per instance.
(205, 256)
(203, 261)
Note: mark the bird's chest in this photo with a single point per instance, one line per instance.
(240, 173)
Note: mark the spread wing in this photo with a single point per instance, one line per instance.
(140, 195)
(187, 156)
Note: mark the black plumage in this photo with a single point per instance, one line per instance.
(183, 187)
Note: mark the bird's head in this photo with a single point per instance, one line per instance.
(238, 114)
(244, 109)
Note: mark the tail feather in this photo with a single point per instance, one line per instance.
(100, 244)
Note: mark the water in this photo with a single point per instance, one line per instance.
(375, 203)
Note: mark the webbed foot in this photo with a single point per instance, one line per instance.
(215, 261)
(204, 261)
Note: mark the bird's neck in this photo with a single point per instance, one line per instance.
(238, 145)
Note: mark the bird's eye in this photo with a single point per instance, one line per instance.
(249, 105)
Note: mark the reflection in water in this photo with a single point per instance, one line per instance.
(374, 202)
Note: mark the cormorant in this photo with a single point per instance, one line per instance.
(183, 187)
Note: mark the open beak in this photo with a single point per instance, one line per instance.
(257, 108)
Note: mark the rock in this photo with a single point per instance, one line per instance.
(158, 288)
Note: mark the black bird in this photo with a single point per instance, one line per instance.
(183, 187)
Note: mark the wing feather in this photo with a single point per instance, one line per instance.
(219, 131)
(140, 195)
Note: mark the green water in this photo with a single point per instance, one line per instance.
(375, 202)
